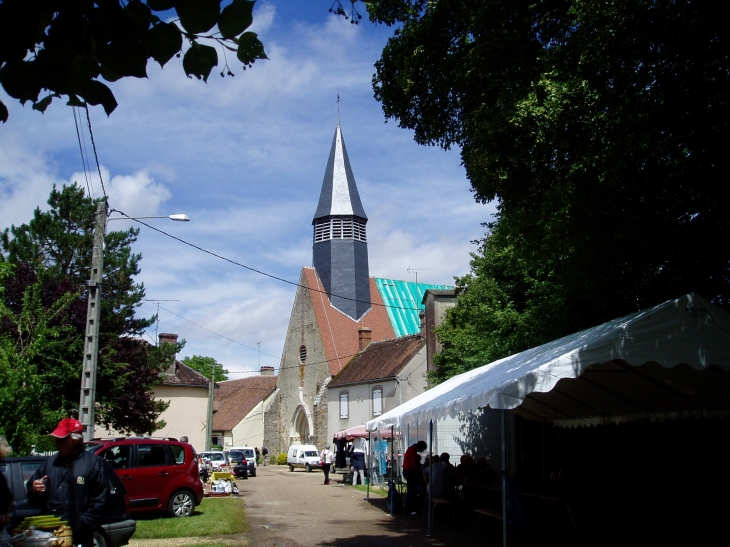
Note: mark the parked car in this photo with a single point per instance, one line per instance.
(238, 463)
(303, 455)
(159, 474)
(117, 526)
(250, 455)
(218, 459)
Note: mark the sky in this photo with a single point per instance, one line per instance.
(244, 158)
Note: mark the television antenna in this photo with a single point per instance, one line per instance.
(157, 325)
(416, 270)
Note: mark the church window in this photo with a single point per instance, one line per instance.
(344, 399)
(328, 228)
(303, 354)
(377, 401)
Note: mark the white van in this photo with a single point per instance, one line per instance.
(302, 455)
(250, 454)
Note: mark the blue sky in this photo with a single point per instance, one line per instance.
(244, 158)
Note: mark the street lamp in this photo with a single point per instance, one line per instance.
(93, 312)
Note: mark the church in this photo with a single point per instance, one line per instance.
(338, 310)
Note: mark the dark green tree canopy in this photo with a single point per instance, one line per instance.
(601, 129)
(60, 241)
(55, 48)
(204, 365)
(43, 302)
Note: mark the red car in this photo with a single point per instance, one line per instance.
(159, 474)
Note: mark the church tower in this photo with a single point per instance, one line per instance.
(340, 249)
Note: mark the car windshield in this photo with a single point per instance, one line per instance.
(248, 453)
(214, 456)
(312, 453)
(236, 457)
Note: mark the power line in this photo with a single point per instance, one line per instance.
(261, 272)
(93, 145)
(213, 332)
(84, 157)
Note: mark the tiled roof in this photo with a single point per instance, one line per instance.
(234, 399)
(404, 300)
(185, 376)
(339, 331)
(380, 360)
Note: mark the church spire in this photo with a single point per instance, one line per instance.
(339, 195)
(340, 250)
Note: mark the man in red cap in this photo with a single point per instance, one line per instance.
(72, 484)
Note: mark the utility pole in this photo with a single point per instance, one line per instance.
(93, 312)
(209, 429)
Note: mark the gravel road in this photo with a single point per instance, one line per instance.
(294, 509)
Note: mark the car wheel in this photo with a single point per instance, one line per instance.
(291, 468)
(307, 468)
(182, 504)
(253, 472)
(99, 540)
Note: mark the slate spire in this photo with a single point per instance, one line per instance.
(340, 249)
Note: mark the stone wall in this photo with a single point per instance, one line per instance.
(301, 383)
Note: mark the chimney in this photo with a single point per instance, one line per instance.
(267, 371)
(167, 338)
(364, 335)
(422, 319)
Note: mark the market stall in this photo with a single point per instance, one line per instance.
(664, 363)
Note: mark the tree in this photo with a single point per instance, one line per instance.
(599, 127)
(43, 303)
(204, 365)
(64, 48)
(60, 241)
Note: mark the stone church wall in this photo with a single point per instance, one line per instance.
(301, 384)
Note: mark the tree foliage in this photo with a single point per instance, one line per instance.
(204, 365)
(599, 127)
(43, 302)
(55, 48)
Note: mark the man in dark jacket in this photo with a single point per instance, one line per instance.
(72, 484)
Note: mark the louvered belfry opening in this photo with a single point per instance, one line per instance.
(339, 246)
(340, 228)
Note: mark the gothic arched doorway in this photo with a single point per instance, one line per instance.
(300, 430)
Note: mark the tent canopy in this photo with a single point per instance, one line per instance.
(671, 360)
(359, 431)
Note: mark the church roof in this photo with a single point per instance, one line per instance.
(380, 360)
(339, 195)
(234, 399)
(338, 330)
(404, 299)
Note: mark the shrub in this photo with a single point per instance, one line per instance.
(281, 459)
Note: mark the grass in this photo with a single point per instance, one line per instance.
(213, 517)
(374, 489)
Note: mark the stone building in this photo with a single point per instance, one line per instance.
(336, 307)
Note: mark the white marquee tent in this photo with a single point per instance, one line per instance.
(653, 364)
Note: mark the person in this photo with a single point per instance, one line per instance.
(326, 458)
(71, 484)
(414, 476)
(357, 460)
(441, 485)
(258, 454)
(184, 439)
(6, 497)
(427, 468)
(264, 453)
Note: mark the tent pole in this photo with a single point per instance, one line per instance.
(504, 482)
(430, 470)
(392, 470)
(543, 449)
(370, 462)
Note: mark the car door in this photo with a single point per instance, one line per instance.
(151, 476)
